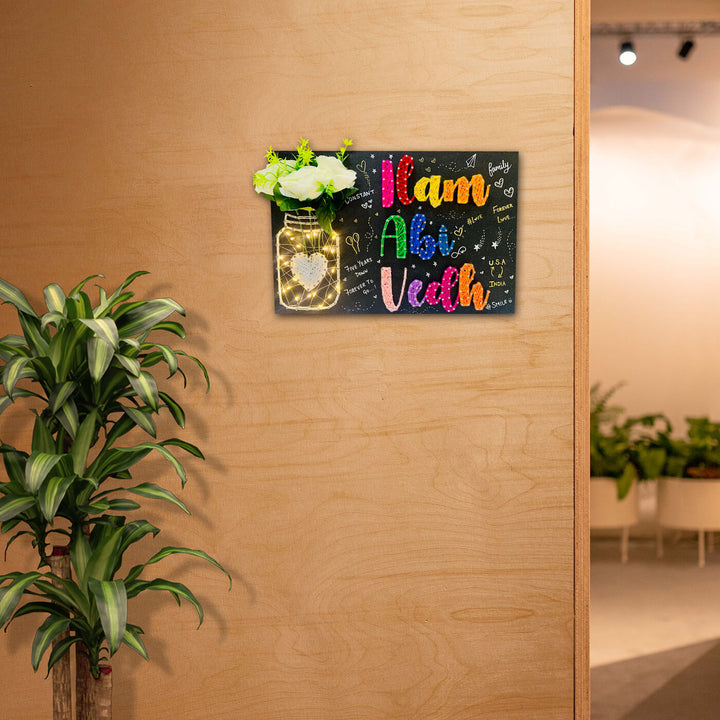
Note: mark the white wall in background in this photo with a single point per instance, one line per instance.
(655, 261)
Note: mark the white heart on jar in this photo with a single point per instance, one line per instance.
(308, 270)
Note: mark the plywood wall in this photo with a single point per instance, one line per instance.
(394, 495)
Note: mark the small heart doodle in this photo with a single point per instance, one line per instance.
(458, 231)
(499, 183)
(362, 166)
(367, 204)
(509, 191)
(308, 270)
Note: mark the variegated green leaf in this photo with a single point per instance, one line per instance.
(100, 355)
(167, 551)
(130, 342)
(174, 407)
(135, 530)
(46, 633)
(36, 340)
(61, 393)
(111, 602)
(42, 439)
(106, 556)
(79, 554)
(10, 594)
(176, 589)
(5, 401)
(104, 328)
(172, 327)
(142, 318)
(11, 506)
(60, 649)
(81, 285)
(62, 348)
(130, 364)
(141, 419)
(9, 293)
(83, 441)
(15, 467)
(68, 417)
(51, 318)
(184, 445)
(200, 365)
(146, 388)
(51, 494)
(15, 370)
(118, 296)
(37, 469)
(156, 492)
(54, 298)
(132, 640)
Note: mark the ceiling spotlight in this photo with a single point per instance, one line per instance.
(686, 48)
(627, 53)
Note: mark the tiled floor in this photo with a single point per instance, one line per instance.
(654, 631)
(648, 605)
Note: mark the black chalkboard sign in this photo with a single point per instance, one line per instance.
(426, 233)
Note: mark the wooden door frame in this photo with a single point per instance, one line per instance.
(581, 365)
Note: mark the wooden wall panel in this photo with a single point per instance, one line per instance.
(394, 495)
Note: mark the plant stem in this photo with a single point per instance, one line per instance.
(62, 689)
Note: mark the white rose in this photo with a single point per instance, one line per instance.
(305, 183)
(336, 173)
(266, 179)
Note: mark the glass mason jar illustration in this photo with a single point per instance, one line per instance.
(308, 263)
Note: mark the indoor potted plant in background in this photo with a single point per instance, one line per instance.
(621, 454)
(689, 492)
(86, 373)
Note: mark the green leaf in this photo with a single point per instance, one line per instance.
(136, 530)
(68, 417)
(52, 318)
(62, 348)
(200, 365)
(81, 285)
(80, 552)
(15, 467)
(625, 481)
(172, 327)
(42, 440)
(175, 410)
(51, 494)
(9, 293)
(146, 388)
(177, 590)
(106, 555)
(10, 594)
(141, 419)
(60, 394)
(100, 355)
(78, 306)
(51, 628)
(155, 492)
(16, 369)
(11, 506)
(111, 600)
(132, 640)
(5, 401)
(55, 299)
(105, 329)
(60, 649)
(33, 334)
(167, 551)
(83, 441)
(144, 316)
(184, 445)
(37, 469)
(130, 364)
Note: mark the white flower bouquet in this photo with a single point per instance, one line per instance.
(315, 182)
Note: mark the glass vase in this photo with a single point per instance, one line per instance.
(308, 263)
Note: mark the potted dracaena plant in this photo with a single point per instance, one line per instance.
(86, 373)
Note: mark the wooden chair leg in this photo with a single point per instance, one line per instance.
(624, 541)
(701, 548)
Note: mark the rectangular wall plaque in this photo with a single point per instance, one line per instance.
(426, 233)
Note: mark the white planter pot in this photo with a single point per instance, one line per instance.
(689, 504)
(609, 513)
